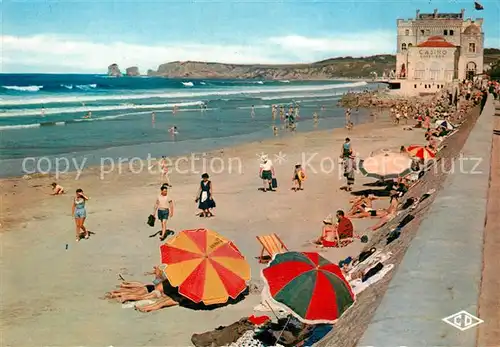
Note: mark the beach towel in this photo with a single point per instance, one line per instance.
(318, 333)
(358, 286)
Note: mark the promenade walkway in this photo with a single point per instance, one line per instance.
(440, 274)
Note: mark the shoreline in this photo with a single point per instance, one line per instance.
(75, 161)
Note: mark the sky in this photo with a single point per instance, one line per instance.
(69, 36)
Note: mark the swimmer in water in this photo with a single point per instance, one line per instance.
(174, 111)
(42, 112)
(88, 116)
(252, 112)
(153, 117)
(173, 130)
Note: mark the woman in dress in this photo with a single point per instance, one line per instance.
(204, 197)
(79, 212)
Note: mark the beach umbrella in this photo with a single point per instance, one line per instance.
(421, 152)
(386, 165)
(205, 266)
(309, 286)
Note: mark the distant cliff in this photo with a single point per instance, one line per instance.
(343, 67)
(337, 67)
(114, 70)
(132, 71)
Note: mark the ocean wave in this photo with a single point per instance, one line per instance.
(285, 81)
(188, 84)
(24, 88)
(255, 107)
(222, 92)
(299, 96)
(85, 109)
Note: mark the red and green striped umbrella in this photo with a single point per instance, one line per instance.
(313, 288)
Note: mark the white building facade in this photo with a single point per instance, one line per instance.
(436, 49)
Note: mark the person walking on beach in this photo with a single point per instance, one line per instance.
(164, 208)
(266, 172)
(346, 150)
(80, 213)
(165, 180)
(204, 196)
(299, 176)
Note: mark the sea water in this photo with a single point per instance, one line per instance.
(43, 115)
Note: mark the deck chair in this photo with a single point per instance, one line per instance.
(271, 244)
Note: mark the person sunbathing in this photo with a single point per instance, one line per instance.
(133, 289)
(165, 301)
(370, 212)
(362, 204)
(389, 214)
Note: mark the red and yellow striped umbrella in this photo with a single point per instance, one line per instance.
(421, 152)
(205, 266)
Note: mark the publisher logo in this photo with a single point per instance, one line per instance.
(463, 320)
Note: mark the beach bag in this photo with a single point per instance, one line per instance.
(151, 220)
(274, 183)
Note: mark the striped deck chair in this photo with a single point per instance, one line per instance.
(271, 244)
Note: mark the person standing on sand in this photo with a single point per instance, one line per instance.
(164, 179)
(266, 172)
(80, 213)
(204, 196)
(164, 208)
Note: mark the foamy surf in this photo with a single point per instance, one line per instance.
(86, 109)
(24, 88)
(188, 84)
(200, 94)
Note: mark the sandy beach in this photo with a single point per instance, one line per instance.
(66, 279)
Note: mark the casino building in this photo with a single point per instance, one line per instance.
(435, 49)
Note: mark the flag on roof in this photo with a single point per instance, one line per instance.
(478, 6)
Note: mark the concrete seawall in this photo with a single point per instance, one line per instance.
(440, 274)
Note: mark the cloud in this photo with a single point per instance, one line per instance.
(57, 53)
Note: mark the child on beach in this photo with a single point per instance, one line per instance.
(57, 189)
(80, 213)
(299, 176)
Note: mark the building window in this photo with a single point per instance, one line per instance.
(438, 86)
(451, 32)
(422, 32)
(409, 45)
(472, 47)
(415, 86)
(403, 47)
(427, 32)
(434, 71)
(425, 86)
(442, 85)
(407, 32)
(419, 71)
(445, 32)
